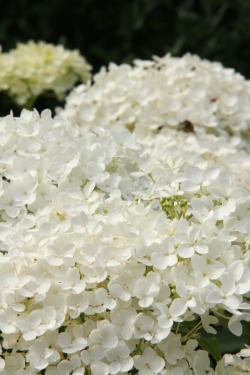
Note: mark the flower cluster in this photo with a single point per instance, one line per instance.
(238, 364)
(165, 92)
(116, 251)
(33, 68)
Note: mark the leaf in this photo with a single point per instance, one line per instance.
(212, 346)
(229, 343)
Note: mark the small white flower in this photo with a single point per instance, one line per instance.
(123, 285)
(144, 326)
(99, 368)
(173, 350)
(146, 288)
(104, 335)
(70, 345)
(93, 354)
(77, 303)
(37, 322)
(72, 366)
(8, 318)
(234, 364)
(149, 363)
(14, 363)
(119, 358)
(40, 356)
(200, 362)
(123, 319)
(196, 179)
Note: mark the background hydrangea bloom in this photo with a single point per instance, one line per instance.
(167, 92)
(34, 68)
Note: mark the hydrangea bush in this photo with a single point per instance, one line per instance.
(32, 69)
(118, 253)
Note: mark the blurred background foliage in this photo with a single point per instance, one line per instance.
(121, 30)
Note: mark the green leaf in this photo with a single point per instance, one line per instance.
(212, 346)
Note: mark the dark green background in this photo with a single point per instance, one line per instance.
(120, 30)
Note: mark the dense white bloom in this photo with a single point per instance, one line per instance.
(33, 68)
(117, 244)
(165, 92)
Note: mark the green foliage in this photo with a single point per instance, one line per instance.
(230, 343)
(211, 345)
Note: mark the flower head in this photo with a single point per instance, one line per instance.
(116, 250)
(33, 68)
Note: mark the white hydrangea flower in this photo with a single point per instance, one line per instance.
(33, 68)
(164, 92)
(119, 247)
